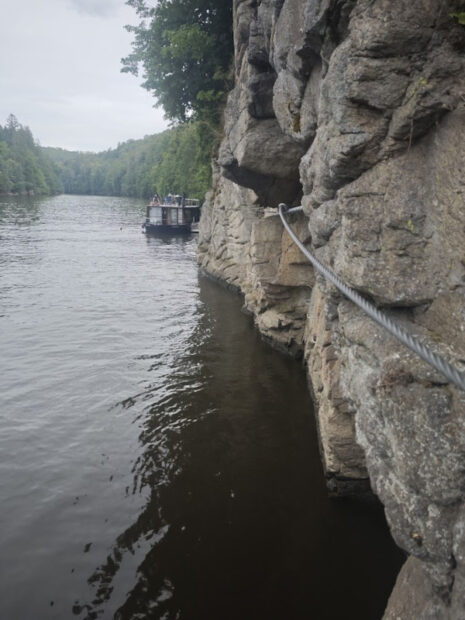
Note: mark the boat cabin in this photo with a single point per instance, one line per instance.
(173, 214)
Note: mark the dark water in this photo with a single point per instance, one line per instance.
(157, 460)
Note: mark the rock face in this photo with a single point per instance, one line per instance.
(356, 108)
(243, 244)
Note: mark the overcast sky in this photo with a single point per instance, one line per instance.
(60, 73)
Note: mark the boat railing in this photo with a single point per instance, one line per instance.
(188, 202)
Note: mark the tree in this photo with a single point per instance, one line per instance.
(185, 48)
(23, 166)
(12, 124)
(15, 173)
(5, 181)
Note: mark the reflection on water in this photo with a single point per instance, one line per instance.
(237, 523)
(167, 457)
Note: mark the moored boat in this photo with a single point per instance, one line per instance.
(173, 215)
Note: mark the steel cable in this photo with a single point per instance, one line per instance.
(452, 373)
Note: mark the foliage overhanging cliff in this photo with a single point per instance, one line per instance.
(185, 49)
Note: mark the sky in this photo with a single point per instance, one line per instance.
(60, 75)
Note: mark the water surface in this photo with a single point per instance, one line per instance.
(157, 459)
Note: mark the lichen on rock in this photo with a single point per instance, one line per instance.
(356, 109)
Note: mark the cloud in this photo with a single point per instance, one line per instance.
(60, 73)
(97, 8)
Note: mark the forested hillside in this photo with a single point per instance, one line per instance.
(177, 160)
(183, 48)
(24, 167)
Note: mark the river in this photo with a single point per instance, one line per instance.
(157, 459)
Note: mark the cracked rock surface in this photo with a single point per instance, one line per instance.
(356, 109)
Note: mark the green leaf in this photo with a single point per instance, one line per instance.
(460, 17)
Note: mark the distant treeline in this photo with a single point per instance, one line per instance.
(183, 49)
(24, 167)
(177, 160)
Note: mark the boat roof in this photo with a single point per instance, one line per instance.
(173, 205)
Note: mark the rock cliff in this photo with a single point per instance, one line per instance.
(356, 109)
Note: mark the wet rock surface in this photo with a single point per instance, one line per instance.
(357, 109)
(242, 244)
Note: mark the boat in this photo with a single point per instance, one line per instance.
(172, 215)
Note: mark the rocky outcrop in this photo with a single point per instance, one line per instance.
(242, 244)
(357, 109)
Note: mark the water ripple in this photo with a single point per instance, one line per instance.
(158, 460)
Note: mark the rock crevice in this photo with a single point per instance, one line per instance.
(356, 109)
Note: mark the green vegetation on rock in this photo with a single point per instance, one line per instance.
(460, 17)
(24, 167)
